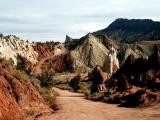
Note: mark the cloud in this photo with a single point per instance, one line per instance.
(53, 19)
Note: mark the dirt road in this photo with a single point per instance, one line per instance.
(73, 106)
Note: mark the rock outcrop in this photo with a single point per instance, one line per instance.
(11, 46)
(97, 80)
(58, 64)
(111, 64)
(134, 69)
(90, 51)
(43, 50)
(68, 39)
(140, 73)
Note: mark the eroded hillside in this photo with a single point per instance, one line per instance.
(19, 99)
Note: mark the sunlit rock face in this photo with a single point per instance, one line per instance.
(91, 51)
(111, 64)
(11, 46)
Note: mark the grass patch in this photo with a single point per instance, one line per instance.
(113, 98)
(49, 96)
(24, 76)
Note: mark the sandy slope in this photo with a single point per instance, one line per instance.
(73, 106)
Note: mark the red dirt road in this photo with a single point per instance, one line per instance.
(74, 106)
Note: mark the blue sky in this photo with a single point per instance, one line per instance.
(43, 20)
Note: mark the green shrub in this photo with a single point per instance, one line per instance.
(46, 80)
(29, 113)
(21, 75)
(95, 97)
(49, 96)
(86, 92)
(1, 35)
(113, 98)
(5, 62)
(22, 64)
(35, 81)
(75, 83)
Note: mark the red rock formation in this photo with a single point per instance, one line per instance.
(59, 63)
(18, 97)
(53, 58)
(44, 50)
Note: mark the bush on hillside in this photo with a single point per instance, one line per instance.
(5, 62)
(74, 83)
(24, 76)
(1, 35)
(22, 64)
(46, 80)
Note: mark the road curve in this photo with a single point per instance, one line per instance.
(73, 106)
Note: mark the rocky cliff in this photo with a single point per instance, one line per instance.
(18, 97)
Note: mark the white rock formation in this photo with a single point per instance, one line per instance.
(111, 63)
(59, 50)
(113, 60)
(11, 46)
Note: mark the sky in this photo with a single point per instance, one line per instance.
(52, 20)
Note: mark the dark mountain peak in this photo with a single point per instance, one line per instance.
(132, 30)
(131, 20)
(142, 25)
